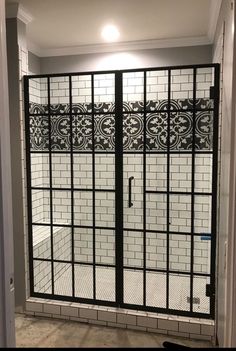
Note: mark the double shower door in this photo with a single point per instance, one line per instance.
(122, 187)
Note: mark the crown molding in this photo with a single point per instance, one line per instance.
(214, 14)
(16, 10)
(117, 47)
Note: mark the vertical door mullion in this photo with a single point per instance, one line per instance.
(29, 190)
(50, 181)
(192, 190)
(144, 192)
(93, 187)
(72, 189)
(168, 193)
(119, 187)
(214, 186)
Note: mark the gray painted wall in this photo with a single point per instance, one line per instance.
(7, 320)
(33, 63)
(132, 59)
(15, 28)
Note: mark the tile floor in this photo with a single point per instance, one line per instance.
(133, 287)
(43, 332)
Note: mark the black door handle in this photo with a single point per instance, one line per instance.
(130, 191)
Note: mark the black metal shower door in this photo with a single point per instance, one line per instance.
(122, 180)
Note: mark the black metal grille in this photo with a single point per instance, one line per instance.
(145, 276)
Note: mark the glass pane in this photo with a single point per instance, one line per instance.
(180, 252)
(156, 250)
(62, 279)
(180, 213)
(204, 131)
(82, 166)
(202, 254)
(59, 95)
(104, 137)
(202, 215)
(83, 245)
(81, 94)
(39, 170)
(42, 277)
(61, 171)
(84, 281)
(133, 287)
(41, 236)
(156, 289)
(203, 173)
(38, 95)
(61, 207)
(181, 173)
(133, 167)
(181, 130)
(133, 132)
(156, 172)
(202, 302)
(181, 89)
(82, 132)
(105, 246)
(83, 208)
(104, 171)
(62, 244)
(39, 133)
(204, 80)
(156, 212)
(133, 249)
(104, 92)
(179, 292)
(40, 206)
(105, 283)
(60, 133)
(157, 90)
(156, 131)
(105, 209)
(133, 91)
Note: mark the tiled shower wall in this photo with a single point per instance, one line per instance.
(180, 179)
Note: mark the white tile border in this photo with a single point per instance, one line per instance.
(193, 328)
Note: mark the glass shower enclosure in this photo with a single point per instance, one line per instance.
(122, 187)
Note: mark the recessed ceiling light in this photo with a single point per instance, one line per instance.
(110, 33)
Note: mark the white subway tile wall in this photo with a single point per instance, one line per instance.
(81, 89)
(61, 171)
(42, 249)
(133, 166)
(133, 89)
(104, 88)
(59, 90)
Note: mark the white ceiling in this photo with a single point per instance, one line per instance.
(62, 25)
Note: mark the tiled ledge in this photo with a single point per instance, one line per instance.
(193, 328)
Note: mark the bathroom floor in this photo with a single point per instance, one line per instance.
(45, 332)
(133, 280)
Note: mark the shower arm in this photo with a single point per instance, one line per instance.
(130, 191)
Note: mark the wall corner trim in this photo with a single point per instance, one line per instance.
(16, 10)
(213, 18)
